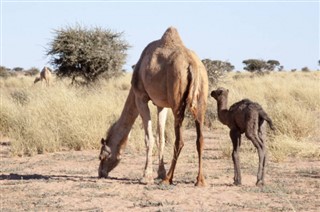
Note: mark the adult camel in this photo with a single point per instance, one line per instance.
(45, 74)
(171, 76)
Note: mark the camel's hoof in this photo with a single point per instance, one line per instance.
(162, 175)
(200, 183)
(102, 175)
(237, 183)
(260, 183)
(147, 180)
(166, 182)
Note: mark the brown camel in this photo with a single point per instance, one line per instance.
(45, 74)
(171, 76)
(246, 117)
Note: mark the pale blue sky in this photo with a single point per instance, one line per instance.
(221, 30)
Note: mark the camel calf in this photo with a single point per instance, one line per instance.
(45, 74)
(246, 117)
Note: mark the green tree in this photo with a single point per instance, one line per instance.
(272, 64)
(216, 70)
(86, 55)
(280, 68)
(255, 65)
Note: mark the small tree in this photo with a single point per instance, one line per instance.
(216, 70)
(305, 69)
(32, 72)
(255, 65)
(272, 64)
(17, 69)
(86, 55)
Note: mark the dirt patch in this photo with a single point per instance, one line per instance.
(67, 181)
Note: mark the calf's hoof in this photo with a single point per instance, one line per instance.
(161, 175)
(260, 183)
(237, 183)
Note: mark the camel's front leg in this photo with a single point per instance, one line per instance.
(236, 139)
(149, 139)
(162, 116)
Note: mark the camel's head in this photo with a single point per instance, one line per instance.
(220, 94)
(108, 159)
(37, 79)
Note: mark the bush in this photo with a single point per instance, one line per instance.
(305, 69)
(20, 97)
(87, 55)
(4, 72)
(32, 72)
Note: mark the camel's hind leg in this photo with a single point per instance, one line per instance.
(252, 133)
(162, 116)
(200, 145)
(262, 137)
(178, 119)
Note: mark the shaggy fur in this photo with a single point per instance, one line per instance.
(246, 117)
(171, 76)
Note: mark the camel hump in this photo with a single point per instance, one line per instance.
(171, 37)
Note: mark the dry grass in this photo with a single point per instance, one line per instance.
(58, 117)
(62, 117)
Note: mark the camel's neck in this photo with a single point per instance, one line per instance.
(120, 130)
(223, 111)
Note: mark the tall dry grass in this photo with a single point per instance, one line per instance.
(60, 117)
(39, 119)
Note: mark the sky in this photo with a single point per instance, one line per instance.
(233, 31)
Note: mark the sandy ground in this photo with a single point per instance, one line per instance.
(67, 181)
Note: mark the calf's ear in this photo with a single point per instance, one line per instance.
(103, 142)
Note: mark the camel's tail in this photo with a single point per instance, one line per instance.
(193, 87)
(264, 115)
(196, 89)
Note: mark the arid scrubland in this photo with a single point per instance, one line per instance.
(60, 117)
